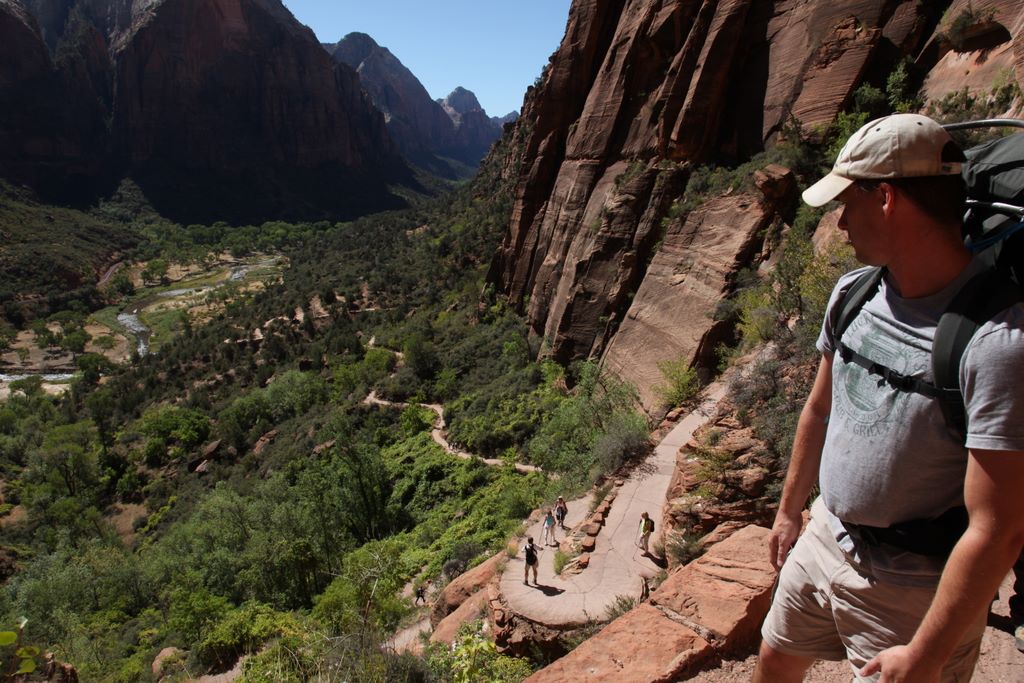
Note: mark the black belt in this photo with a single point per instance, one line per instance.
(931, 537)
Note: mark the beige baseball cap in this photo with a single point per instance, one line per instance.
(896, 146)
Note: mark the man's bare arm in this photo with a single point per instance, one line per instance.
(980, 560)
(803, 464)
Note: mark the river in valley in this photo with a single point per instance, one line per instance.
(49, 377)
(129, 317)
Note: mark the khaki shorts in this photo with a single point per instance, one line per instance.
(827, 608)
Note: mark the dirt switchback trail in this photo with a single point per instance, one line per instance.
(617, 566)
(437, 433)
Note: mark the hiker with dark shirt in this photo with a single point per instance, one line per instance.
(531, 555)
(915, 527)
(561, 510)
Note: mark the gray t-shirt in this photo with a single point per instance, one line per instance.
(889, 455)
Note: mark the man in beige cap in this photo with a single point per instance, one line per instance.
(886, 574)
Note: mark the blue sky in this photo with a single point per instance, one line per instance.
(495, 49)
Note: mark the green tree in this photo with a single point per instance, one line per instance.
(101, 406)
(172, 427)
(121, 284)
(293, 393)
(244, 630)
(155, 272)
(194, 610)
(365, 491)
(93, 366)
(901, 94)
(420, 356)
(75, 340)
(365, 598)
(7, 335)
(67, 458)
(680, 385)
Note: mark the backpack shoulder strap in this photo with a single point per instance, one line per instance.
(978, 301)
(854, 298)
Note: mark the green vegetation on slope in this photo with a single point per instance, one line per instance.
(277, 513)
(50, 256)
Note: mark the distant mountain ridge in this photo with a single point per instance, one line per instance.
(455, 127)
(218, 108)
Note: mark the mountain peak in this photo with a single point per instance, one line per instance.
(461, 101)
(353, 49)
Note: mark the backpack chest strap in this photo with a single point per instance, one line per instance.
(896, 380)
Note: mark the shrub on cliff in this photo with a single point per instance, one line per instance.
(680, 384)
(473, 657)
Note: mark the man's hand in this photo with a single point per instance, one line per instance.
(784, 534)
(900, 665)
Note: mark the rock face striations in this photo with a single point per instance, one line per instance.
(456, 127)
(601, 253)
(202, 101)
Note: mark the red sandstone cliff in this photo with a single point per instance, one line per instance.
(640, 91)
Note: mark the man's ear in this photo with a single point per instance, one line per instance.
(889, 197)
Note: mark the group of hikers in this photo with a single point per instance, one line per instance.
(552, 517)
(531, 552)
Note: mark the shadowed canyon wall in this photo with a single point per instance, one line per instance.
(216, 97)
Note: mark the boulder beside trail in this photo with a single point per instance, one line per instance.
(463, 587)
(642, 645)
(727, 591)
(446, 629)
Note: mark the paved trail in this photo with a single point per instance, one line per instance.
(408, 638)
(617, 565)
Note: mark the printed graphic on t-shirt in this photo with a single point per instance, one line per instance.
(866, 400)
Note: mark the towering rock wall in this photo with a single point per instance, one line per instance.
(52, 111)
(250, 82)
(638, 93)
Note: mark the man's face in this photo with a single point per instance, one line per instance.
(863, 220)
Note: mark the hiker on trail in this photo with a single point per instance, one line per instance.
(645, 531)
(548, 535)
(915, 526)
(531, 554)
(421, 595)
(561, 510)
